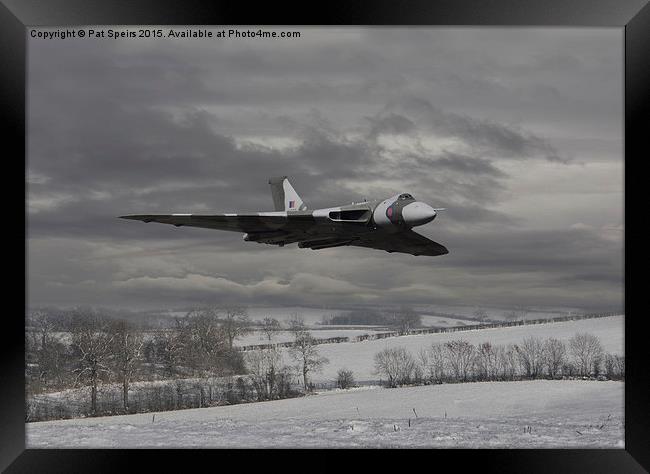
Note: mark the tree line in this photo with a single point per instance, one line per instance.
(533, 358)
(87, 349)
(402, 319)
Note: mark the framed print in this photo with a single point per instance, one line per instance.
(372, 226)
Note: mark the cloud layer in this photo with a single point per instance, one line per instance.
(518, 132)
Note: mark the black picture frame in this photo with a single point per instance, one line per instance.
(17, 15)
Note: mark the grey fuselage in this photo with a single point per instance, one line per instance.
(381, 224)
(336, 226)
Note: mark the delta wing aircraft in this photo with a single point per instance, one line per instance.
(380, 224)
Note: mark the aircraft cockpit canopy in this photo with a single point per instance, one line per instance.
(404, 197)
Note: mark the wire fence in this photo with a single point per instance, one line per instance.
(433, 330)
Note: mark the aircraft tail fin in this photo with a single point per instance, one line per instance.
(285, 198)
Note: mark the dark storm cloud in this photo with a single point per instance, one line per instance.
(117, 128)
(110, 168)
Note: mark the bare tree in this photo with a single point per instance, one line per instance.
(460, 356)
(615, 366)
(405, 365)
(262, 366)
(619, 365)
(587, 352)
(507, 362)
(396, 364)
(168, 348)
(296, 325)
(42, 324)
(554, 356)
(432, 361)
(284, 381)
(531, 356)
(235, 324)
(405, 319)
(424, 363)
(305, 352)
(48, 351)
(205, 342)
(127, 353)
(270, 327)
(487, 361)
(344, 379)
(91, 344)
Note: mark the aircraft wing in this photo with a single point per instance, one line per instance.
(403, 242)
(255, 222)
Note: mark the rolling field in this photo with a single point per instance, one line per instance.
(359, 356)
(522, 414)
(532, 414)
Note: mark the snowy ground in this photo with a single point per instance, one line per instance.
(359, 356)
(532, 414)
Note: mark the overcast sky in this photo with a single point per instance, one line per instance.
(517, 132)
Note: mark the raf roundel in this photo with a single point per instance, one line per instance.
(389, 212)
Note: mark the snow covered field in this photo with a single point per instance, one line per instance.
(531, 414)
(359, 356)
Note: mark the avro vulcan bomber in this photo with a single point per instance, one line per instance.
(381, 224)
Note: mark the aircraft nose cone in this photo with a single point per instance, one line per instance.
(418, 213)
